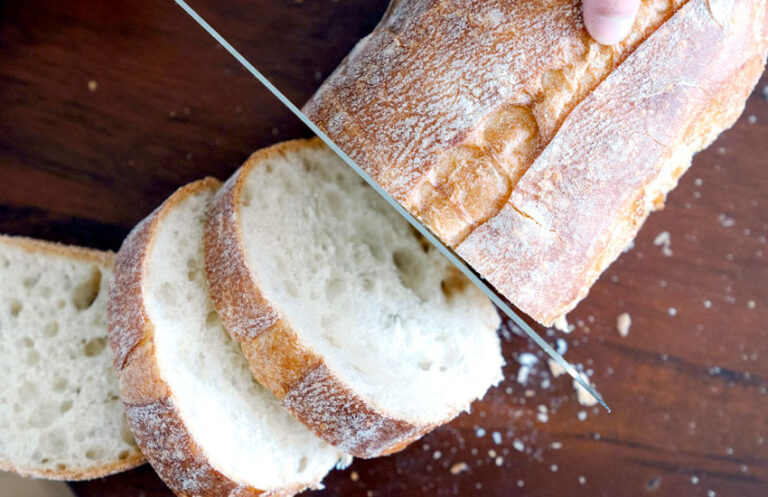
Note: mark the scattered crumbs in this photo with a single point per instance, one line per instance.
(520, 483)
(743, 468)
(581, 415)
(752, 119)
(629, 246)
(623, 322)
(529, 393)
(473, 451)
(582, 480)
(596, 436)
(518, 445)
(480, 432)
(553, 468)
(508, 390)
(459, 467)
(582, 394)
(561, 324)
(721, 150)
(496, 436)
(556, 445)
(425, 447)
(751, 304)
(354, 476)
(672, 311)
(725, 221)
(707, 304)
(437, 455)
(542, 408)
(698, 182)
(664, 241)
(369, 493)
(172, 114)
(694, 479)
(555, 368)
(545, 383)
(527, 361)
(543, 417)
(729, 451)
(499, 461)
(491, 453)
(93, 85)
(711, 493)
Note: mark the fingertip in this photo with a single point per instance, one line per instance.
(609, 21)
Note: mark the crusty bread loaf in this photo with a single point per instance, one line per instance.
(204, 424)
(60, 415)
(367, 335)
(526, 146)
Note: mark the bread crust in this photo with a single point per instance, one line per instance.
(154, 418)
(280, 361)
(463, 110)
(105, 260)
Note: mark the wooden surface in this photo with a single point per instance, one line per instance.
(107, 107)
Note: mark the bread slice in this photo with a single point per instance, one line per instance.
(206, 426)
(367, 335)
(532, 150)
(60, 415)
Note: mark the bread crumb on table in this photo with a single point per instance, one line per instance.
(664, 241)
(561, 324)
(459, 467)
(623, 322)
(555, 368)
(93, 85)
(354, 476)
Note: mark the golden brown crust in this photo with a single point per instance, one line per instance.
(453, 106)
(449, 106)
(158, 427)
(579, 205)
(279, 359)
(105, 260)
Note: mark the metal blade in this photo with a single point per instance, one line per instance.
(447, 252)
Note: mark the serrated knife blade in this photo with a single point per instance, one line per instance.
(426, 233)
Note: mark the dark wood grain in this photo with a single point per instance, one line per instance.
(689, 391)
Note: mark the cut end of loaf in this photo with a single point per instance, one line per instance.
(61, 417)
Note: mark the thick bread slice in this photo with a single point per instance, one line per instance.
(533, 151)
(367, 335)
(206, 426)
(60, 415)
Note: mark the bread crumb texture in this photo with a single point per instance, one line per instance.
(60, 414)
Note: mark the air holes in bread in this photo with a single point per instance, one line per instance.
(94, 346)
(16, 307)
(85, 294)
(452, 285)
(65, 406)
(31, 281)
(51, 329)
(334, 288)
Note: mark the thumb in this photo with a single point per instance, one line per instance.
(609, 21)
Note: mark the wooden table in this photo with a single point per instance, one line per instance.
(107, 107)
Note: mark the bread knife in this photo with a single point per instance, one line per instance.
(424, 231)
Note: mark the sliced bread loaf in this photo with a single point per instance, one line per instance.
(367, 335)
(60, 415)
(206, 426)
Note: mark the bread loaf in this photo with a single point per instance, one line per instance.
(204, 424)
(368, 336)
(60, 415)
(533, 151)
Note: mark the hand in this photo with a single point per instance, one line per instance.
(609, 21)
